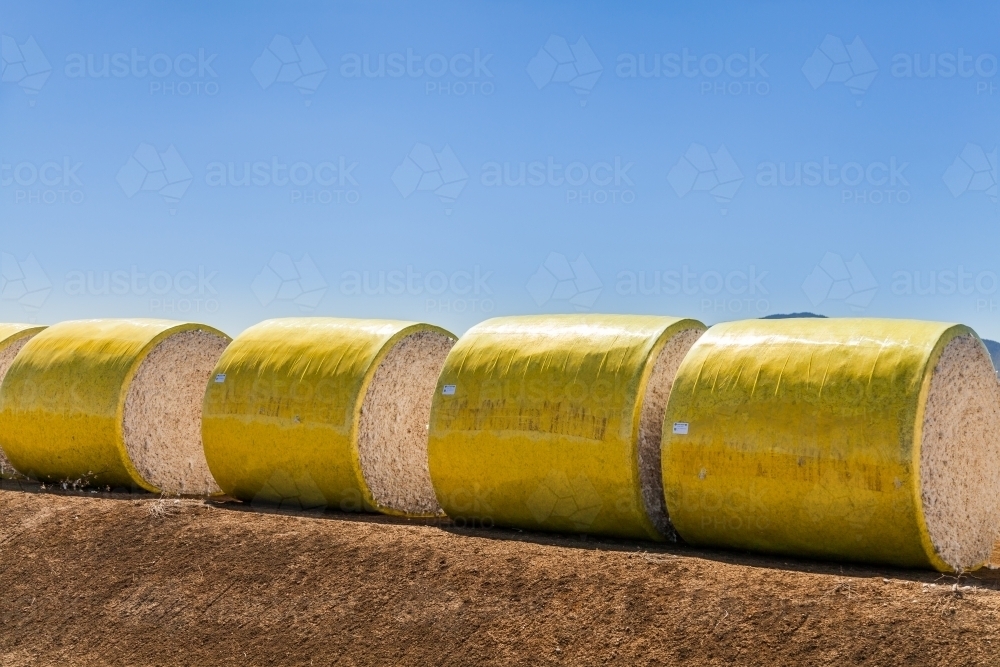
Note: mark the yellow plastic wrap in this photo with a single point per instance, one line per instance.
(12, 337)
(802, 436)
(62, 401)
(535, 422)
(10, 332)
(280, 421)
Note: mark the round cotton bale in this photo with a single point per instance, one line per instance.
(849, 439)
(553, 422)
(327, 412)
(12, 339)
(112, 403)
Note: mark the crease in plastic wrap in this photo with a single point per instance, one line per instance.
(280, 418)
(535, 422)
(801, 436)
(62, 401)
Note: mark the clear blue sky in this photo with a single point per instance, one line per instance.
(457, 161)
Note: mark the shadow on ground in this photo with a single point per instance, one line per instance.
(652, 551)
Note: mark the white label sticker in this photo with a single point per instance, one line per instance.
(221, 377)
(680, 428)
(448, 390)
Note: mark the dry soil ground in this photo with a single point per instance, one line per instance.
(93, 579)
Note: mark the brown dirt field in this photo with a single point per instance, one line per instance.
(95, 579)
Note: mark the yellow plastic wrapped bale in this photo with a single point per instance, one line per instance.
(112, 403)
(320, 412)
(12, 339)
(553, 422)
(859, 439)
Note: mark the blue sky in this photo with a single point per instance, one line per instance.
(393, 189)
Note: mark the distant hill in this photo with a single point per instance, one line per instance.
(786, 316)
